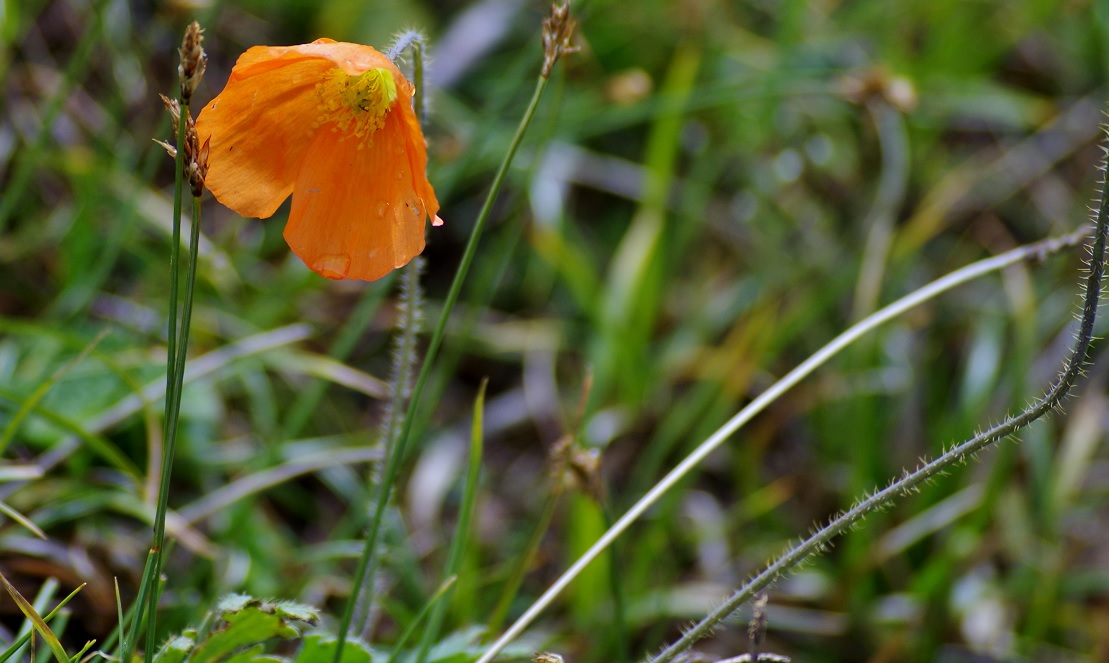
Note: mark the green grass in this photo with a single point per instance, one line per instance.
(658, 257)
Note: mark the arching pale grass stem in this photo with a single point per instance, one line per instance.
(835, 346)
(957, 454)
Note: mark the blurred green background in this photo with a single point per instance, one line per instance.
(710, 192)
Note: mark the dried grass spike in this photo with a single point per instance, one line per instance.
(558, 29)
(193, 60)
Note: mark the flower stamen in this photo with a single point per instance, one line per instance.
(356, 105)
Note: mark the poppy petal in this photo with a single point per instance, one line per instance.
(260, 127)
(356, 211)
(333, 123)
(352, 58)
(416, 149)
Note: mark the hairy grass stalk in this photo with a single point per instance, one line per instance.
(821, 540)
(966, 274)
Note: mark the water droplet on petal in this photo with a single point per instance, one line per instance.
(382, 208)
(331, 266)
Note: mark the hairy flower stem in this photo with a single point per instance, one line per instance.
(367, 563)
(819, 541)
(960, 276)
(405, 356)
(405, 359)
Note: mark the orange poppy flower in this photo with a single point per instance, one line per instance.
(332, 124)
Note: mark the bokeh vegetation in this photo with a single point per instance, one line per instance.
(710, 191)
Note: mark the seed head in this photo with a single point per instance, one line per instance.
(558, 29)
(193, 60)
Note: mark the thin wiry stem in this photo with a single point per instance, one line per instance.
(173, 415)
(363, 581)
(820, 541)
(367, 562)
(148, 585)
(834, 347)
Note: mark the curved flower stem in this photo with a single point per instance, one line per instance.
(911, 480)
(367, 562)
(836, 345)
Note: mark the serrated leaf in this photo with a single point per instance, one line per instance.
(236, 602)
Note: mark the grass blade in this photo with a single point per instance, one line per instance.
(39, 623)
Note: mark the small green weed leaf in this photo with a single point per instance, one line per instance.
(243, 625)
(320, 648)
(247, 622)
(175, 649)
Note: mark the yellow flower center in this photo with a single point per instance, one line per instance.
(356, 105)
